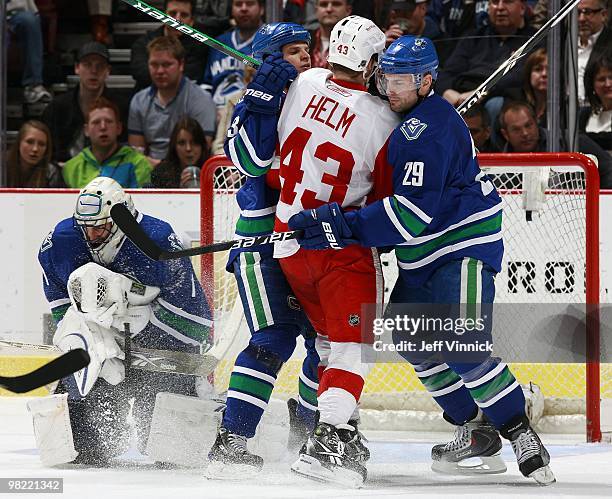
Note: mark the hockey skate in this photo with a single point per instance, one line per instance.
(531, 455)
(475, 450)
(298, 431)
(324, 457)
(230, 458)
(354, 442)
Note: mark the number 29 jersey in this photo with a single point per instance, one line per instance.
(333, 138)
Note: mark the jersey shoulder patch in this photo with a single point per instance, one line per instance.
(412, 128)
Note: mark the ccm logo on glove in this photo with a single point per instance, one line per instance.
(258, 94)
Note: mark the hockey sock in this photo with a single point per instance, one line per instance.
(448, 390)
(495, 389)
(253, 379)
(308, 385)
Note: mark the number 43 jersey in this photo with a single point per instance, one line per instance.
(333, 148)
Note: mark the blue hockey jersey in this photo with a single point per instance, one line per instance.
(181, 318)
(443, 207)
(224, 73)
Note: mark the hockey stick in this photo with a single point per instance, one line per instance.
(131, 228)
(162, 17)
(522, 51)
(58, 368)
(144, 359)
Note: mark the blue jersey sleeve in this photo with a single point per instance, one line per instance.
(61, 252)
(420, 162)
(251, 141)
(181, 309)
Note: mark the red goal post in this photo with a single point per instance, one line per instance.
(570, 186)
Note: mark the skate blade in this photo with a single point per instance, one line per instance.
(544, 476)
(218, 470)
(310, 467)
(481, 465)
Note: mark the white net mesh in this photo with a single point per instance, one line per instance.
(544, 230)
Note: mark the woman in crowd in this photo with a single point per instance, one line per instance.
(535, 80)
(187, 148)
(29, 158)
(596, 120)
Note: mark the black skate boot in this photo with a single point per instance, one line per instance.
(354, 442)
(324, 457)
(230, 458)
(298, 430)
(475, 450)
(531, 455)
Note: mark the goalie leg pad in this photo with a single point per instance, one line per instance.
(52, 429)
(183, 429)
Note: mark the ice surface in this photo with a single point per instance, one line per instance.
(399, 468)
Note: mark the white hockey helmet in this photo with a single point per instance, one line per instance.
(92, 210)
(353, 42)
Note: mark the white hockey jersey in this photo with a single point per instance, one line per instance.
(333, 139)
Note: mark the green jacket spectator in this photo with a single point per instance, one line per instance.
(127, 166)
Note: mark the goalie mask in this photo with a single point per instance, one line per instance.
(92, 217)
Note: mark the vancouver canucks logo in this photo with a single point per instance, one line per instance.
(419, 44)
(412, 128)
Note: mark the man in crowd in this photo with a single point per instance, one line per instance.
(65, 115)
(328, 13)
(106, 157)
(224, 73)
(520, 129)
(155, 110)
(476, 57)
(594, 37)
(196, 53)
(479, 124)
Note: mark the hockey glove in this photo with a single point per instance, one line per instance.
(324, 227)
(265, 92)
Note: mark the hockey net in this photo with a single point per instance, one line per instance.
(550, 230)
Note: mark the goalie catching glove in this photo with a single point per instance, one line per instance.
(264, 93)
(102, 302)
(324, 227)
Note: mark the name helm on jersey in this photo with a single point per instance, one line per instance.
(92, 211)
(353, 42)
(408, 59)
(271, 38)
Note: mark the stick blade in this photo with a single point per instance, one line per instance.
(58, 368)
(132, 229)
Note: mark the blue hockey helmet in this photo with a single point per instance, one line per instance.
(272, 38)
(410, 55)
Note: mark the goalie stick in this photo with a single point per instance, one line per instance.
(145, 359)
(522, 51)
(56, 369)
(131, 228)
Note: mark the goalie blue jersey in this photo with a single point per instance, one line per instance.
(224, 73)
(443, 207)
(181, 315)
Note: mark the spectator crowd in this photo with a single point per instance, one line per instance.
(184, 91)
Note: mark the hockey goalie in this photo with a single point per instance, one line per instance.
(99, 285)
